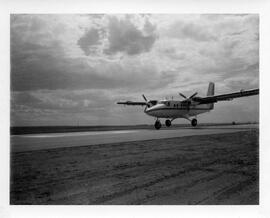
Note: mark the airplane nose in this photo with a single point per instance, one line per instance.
(153, 111)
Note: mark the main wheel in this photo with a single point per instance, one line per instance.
(157, 124)
(168, 123)
(194, 122)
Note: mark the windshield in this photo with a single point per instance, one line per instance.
(162, 102)
(153, 102)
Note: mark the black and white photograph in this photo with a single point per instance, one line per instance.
(134, 109)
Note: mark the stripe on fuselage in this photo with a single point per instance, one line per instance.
(185, 109)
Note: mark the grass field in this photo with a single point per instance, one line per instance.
(208, 169)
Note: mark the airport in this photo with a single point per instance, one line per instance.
(203, 165)
(99, 105)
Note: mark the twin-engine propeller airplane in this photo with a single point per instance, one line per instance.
(190, 107)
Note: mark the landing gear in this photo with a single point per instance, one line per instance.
(194, 122)
(168, 123)
(157, 124)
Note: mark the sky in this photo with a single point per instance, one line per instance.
(72, 69)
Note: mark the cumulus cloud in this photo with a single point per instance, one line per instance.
(242, 82)
(62, 100)
(125, 36)
(44, 63)
(89, 40)
(66, 66)
(46, 72)
(190, 30)
(88, 107)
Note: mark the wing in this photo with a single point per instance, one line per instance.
(226, 97)
(141, 103)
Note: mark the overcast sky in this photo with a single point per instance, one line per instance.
(71, 69)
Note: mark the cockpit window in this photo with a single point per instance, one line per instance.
(153, 102)
(167, 103)
(163, 102)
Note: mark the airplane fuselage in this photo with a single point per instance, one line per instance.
(175, 109)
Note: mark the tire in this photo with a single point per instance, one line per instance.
(157, 125)
(194, 122)
(168, 123)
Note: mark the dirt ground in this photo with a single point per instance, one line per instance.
(208, 169)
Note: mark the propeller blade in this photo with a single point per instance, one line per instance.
(193, 95)
(144, 97)
(182, 95)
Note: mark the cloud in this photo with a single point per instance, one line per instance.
(89, 41)
(76, 66)
(40, 60)
(219, 47)
(124, 36)
(190, 30)
(52, 73)
(67, 107)
(242, 82)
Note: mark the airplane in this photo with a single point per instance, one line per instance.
(187, 108)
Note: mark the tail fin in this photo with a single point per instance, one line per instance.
(211, 89)
(211, 92)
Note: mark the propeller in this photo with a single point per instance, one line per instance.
(147, 102)
(182, 95)
(144, 97)
(190, 97)
(193, 95)
(188, 100)
(151, 102)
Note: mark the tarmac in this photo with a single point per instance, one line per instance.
(213, 169)
(30, 142)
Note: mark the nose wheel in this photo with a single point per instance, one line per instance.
(168, 123)
(194, 122)
(157, 124)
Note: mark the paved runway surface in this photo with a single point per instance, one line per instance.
(30, 142)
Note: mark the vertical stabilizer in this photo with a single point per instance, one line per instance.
(211, 92)
(211, 89)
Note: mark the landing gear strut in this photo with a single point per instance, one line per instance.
(157, 124)
(194, 122)
(168, 123)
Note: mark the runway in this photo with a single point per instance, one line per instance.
(30, 142)
(200, 169)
